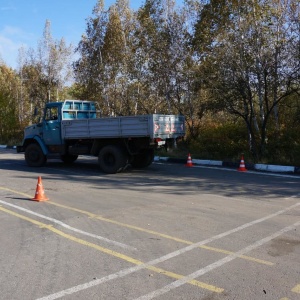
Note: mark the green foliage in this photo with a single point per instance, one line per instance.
(9, 112)
(252, 62)
(232, 68)
(228, 141)
(284, 148)
(222, 142)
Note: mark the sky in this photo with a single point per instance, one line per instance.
(22, 23)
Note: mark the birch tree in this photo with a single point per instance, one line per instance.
(53, 60)
(256, 66)
(9, 108)
(90, 67)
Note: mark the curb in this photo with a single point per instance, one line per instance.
(7, 147)
(218, 163)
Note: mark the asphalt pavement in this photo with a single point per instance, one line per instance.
(165, 232)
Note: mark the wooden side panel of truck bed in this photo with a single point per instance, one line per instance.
(153, 126)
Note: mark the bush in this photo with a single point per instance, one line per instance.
(222, 142)
(228, 141)
(283, 148)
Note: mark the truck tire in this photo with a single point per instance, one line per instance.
(68, 158)
(143, 159)
(34, 156)
(112, 159)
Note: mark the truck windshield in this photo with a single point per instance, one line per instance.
(51, 113)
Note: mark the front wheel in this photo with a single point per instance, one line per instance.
(34, 156)
(112, 159)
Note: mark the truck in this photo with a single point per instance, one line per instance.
(72, 128)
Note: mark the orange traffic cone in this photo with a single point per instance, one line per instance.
(242, 167)
(189, 162)
(40, 193)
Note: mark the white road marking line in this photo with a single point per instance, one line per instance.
(161, 259)
(69, 227)
(95, 282)
(217, 264)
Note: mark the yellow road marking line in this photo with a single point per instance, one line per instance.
(113, 253)
(296, 289)
(15, 192)
(98, 217)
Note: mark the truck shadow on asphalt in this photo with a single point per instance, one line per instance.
(163, 179)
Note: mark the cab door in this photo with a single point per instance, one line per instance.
(52, 128)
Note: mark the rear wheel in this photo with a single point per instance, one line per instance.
(143, 159)
(34, 156)
(112, 159)
(68, 158)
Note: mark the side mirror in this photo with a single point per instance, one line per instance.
(36, 111)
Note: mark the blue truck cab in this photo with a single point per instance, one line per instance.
(43, 139)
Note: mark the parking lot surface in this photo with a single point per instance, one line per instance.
(165, 232)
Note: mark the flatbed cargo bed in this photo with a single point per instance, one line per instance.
(152, 126)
